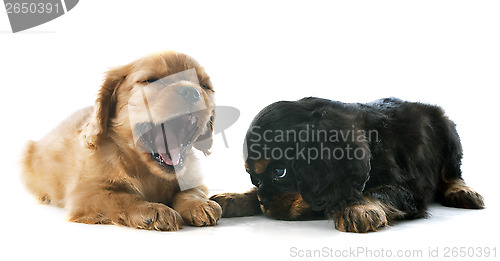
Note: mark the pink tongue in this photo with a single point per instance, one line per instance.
(165, 140)
(173, 148)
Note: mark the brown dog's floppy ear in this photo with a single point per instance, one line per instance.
(205, 140)
(105, 106)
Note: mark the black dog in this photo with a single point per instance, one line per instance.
(363, 165)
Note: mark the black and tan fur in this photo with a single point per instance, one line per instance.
(414, 160)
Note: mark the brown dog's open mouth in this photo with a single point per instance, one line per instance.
(169, 141)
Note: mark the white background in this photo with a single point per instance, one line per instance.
(439, 52)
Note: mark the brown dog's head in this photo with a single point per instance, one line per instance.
(155, 109)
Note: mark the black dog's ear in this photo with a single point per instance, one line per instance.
(332, 174)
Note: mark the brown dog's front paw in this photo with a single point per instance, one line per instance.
(361, 218)
(153, 216)
(202, 212)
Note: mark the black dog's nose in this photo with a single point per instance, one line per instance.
(264, 202)
(189, 94)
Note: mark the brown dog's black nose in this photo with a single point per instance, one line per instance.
(189, 94)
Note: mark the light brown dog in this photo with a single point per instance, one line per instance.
(106, 165)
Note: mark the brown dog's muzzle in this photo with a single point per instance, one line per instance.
(167, 119)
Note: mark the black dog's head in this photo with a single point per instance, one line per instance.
(306, 157)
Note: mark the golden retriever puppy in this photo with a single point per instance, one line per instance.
(129, 159)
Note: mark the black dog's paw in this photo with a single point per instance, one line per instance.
(238, 204)
(459, 195)
(361, 218)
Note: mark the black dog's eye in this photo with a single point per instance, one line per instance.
(280, 173)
